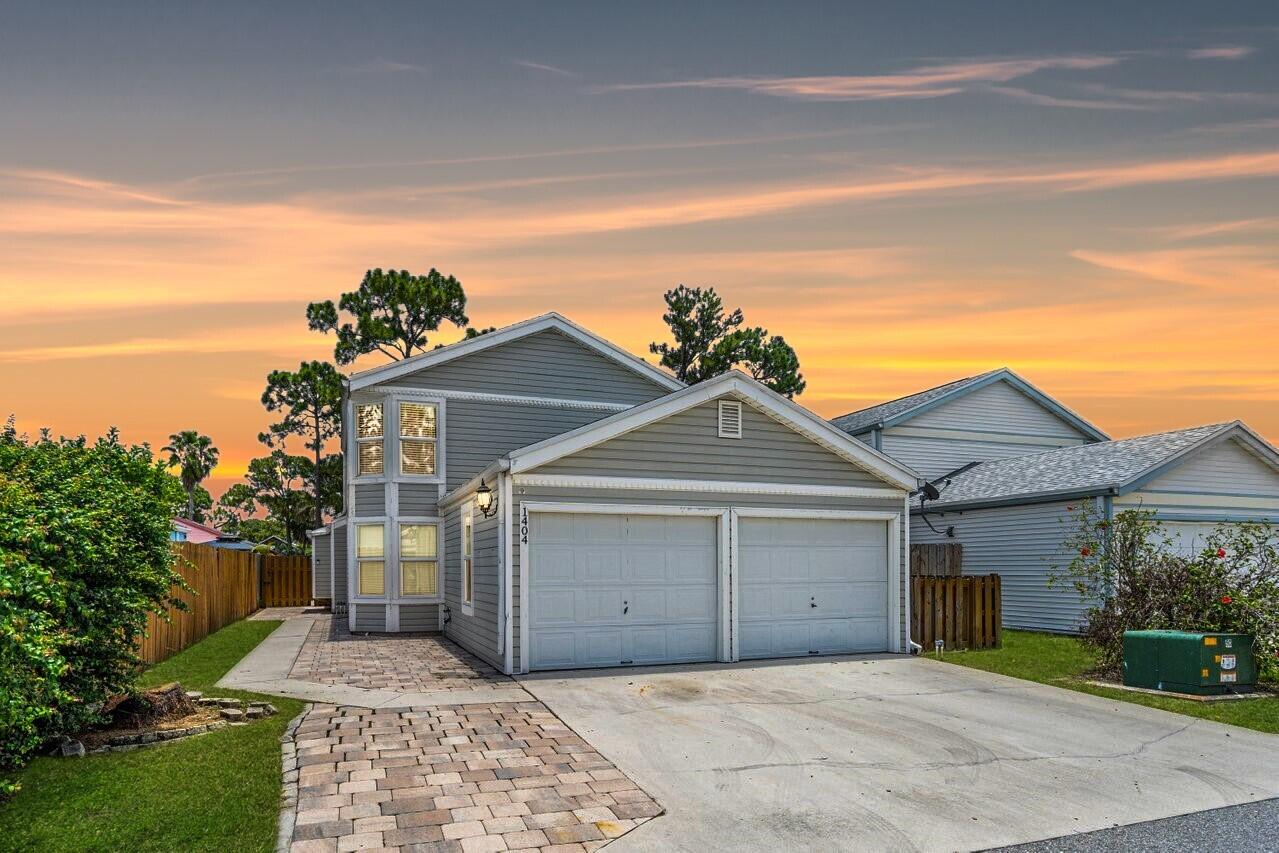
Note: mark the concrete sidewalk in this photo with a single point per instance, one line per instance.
(268, 668)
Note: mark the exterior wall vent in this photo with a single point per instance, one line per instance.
(730, 419)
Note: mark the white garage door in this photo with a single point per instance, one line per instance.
(811, 586)
(609, 590)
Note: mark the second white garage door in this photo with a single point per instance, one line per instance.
(811, 586)
(609, 590)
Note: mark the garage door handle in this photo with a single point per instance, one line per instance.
(812, 604)
(626, 607)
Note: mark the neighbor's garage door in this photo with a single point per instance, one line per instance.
(607, 590)
(811, 586)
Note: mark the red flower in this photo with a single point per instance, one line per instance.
(1085, 551)
(1070, 507)
(1225, 599)
(1221, 552)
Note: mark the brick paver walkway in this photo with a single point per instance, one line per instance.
(468, 778)
(406, 663)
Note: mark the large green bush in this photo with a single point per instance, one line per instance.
(1129, 569)
(84, 557)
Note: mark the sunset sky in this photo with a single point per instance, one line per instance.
(909, 193)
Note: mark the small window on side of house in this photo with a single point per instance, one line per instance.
(730, 419)
(468, 549)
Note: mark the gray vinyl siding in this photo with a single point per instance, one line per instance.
(419, 617)
(340, 564)
(687, 446)
(545, 364)
(649, 498)
(478, 431)
(321, 564)
(478, 633)
(370, 617)
(419, 499)
(370, 500)
(1006, 423)
(1024, 546)
(1224, 482)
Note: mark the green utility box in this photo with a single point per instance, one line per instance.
(1189, 662)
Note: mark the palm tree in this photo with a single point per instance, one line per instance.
(194, 456)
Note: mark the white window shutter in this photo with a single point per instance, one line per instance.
(730, 419)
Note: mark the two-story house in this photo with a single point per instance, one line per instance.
(550, 501)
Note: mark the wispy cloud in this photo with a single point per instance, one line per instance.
(283, 339)
(1221, 51)
(1239, 126)
(385, 66)
(929, 81)
(1039, 99)
(1182, 96)
(1212, 229)
(541, 66)
(1219, 269)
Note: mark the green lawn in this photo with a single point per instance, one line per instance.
(1063, 661)
(219, 791)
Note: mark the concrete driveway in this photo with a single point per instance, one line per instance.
(894, 753)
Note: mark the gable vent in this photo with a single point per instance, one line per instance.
(730, 419)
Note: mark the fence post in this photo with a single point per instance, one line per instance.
(257, 566)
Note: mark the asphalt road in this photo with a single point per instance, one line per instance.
(1234, 829)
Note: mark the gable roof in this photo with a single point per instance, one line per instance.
(1108, 467)
(191, 524)
(753, 393)
(506, 334)
(904, 408)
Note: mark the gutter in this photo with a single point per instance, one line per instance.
(1017, 500)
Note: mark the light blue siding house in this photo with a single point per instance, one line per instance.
(994, 415)
(549, 501)
(1013, 515)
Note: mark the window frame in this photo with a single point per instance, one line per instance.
(401, 438)
(355, 592)
(357, 440)
(466, 558)
(419, 521)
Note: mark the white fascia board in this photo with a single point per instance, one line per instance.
(490, 472)
(774, 405)
(462, 348)
(656, 484)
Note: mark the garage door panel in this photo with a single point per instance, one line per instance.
(555, 648)
(557, 564)
(754, 603)
(754, 565)
(646, 605)
(648, 645)
(600, 648)
(693, 565)
(647, 564)
(553, 607)
(869, 635)
(600, 565)
(692, 643)
(597, 528)
(689, 603)
(601, 606)
(830, 635)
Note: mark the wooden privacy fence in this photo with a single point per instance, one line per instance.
(286, 581)
(963, 612)
(224, 589)
(942, 558)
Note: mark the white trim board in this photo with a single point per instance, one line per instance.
(532, 326)
(515, 399)
(573, 481)
(739, 385)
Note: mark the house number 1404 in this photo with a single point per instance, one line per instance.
(523, 526)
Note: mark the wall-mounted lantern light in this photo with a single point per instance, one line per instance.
(485, 501)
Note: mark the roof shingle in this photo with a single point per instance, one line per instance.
(864, 419)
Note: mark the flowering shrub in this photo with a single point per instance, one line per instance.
(1129, 569)
(84, 557)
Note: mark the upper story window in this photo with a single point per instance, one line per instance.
(418, 435)
(370, 438)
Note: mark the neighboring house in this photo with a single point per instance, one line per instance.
(186, 530)
(634, 520)
(1013, 515)
(991, 416)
